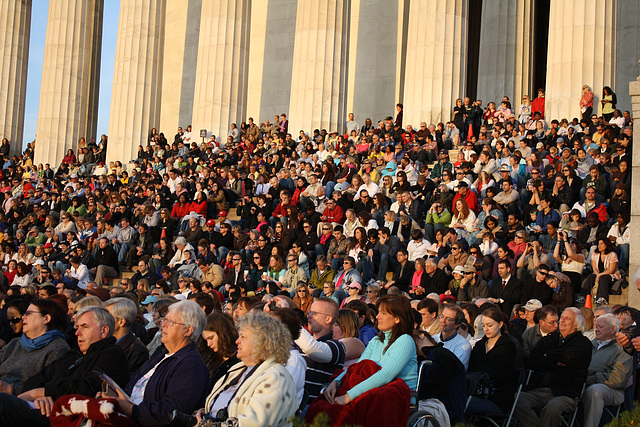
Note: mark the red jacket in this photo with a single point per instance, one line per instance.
(335, 215)
(199, 208)
(281, 210)
(470, 198)
(180, 211)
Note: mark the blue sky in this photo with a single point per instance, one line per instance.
(39, 14)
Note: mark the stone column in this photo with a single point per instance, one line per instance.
(582, 48)
(15, 26)
(221, 73)
(70, 79)
(319, 80)
(504, 66)
(436, 65)
(634, 253)
(137, 77)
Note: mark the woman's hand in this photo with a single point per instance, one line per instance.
(342, 400)
(330, 392)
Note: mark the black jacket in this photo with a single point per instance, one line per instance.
(438, 283)
(510, 294)
(73, 372)
(135, 351)
(574, 355)
(402, 277)
(108, 257)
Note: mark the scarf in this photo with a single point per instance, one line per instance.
(43, 340)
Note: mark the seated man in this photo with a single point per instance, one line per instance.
(72, 373)
(322, 353)
(547, 323)
(144, 273)
(450, 320)
(608, 373)
(559, 362)
(124, 312)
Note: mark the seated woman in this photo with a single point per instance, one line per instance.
(175, 381)
(263, 393)
(393, 350)
(347, 330)
(494, 354)
(42, 342)
(219, 337)
(296, 365)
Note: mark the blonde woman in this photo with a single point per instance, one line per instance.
(347, 330)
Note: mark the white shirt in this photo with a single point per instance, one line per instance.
(372, 188)
(81, 274)
(418, 249)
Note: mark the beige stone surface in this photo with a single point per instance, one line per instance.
(70, 78)
(273, 31)
(436, 59)
(222, 70)
(137, 77)
(15, 27)
(634, 225)
(506, 42)
(582, 38)
(319, 65)
(179, 64)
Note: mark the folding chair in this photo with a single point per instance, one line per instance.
(572, 420)
(503, 419)
(419, 418)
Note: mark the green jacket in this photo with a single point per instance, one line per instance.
(444, 218)
(317, 279)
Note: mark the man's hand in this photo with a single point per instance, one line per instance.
(623, 339)
(45, 404)
(5, 387)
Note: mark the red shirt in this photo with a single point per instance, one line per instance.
(335, 215)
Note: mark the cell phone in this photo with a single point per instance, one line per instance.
(109, 390)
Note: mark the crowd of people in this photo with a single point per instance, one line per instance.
(368, 250)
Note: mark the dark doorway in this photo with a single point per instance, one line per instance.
(540, 44)
(473, 47)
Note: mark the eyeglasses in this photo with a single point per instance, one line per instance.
(371, 292)
(302, 291)
(29, 313)
(237, 259)
(306, 226)
(256, 257)
(326, 229)
(543, 273)
(446, 319)
(262, 240)
(552, 323)
(15, 320)
(291, 260)
(313, 313)
(170, 322)
(455, 249)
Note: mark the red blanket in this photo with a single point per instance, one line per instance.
(382, 406)
(73, 409)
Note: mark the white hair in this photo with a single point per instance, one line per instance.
(612, 319)
(579, 323)
(192, 315)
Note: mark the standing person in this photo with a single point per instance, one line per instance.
(538, 104)
(586, 103)
(524, 112)
(608, 102)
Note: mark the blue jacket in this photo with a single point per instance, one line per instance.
(179, 382)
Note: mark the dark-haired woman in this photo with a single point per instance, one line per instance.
(604, 262)
(496, 355)
(393, 349)
(219, 336)
(42, 343)
(608, 102)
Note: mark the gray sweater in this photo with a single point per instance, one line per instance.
(17, 365)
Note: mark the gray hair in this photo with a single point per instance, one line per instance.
(580, 323)
(122, 308)
(605, 309)
(191, 315)
(612, 319)
(102, 316)
(181, 241)
(271, 337)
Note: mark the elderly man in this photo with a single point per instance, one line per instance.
(559, 362)
(124, 311)
(608, 373)
(323, 354)
(73, 373)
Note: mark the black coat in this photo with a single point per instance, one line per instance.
(135, 351)
(73, 372)
(438, 283)
(108, 257)
(532, 289)
(574, 355)
(510, 294)
(500, 364)
(402, 277)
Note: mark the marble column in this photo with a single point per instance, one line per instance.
(634, 224)
(221, 73)
(319, 66)
(15, 27)
(137, 77)
(436, 65)
(581, 50)
(504, 66)
(70, 79)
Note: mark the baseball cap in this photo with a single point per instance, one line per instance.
(459, 270)
(533, 305)
(211, 222)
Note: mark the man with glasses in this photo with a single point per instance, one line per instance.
(322, 353)
(347, 275)
(338, 248)
(547, 323)
(238, 274)
(532, 269)
(451, 318)
(472, 285)
(293, 275)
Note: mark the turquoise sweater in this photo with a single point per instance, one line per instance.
(399, 361)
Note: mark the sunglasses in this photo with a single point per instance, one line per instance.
(15, 320)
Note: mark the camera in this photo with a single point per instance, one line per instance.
(180, 419)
